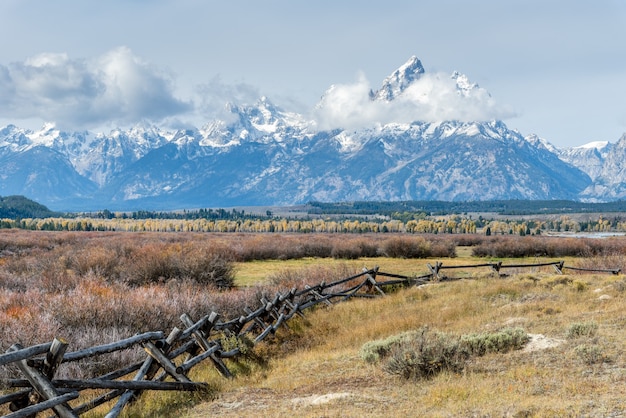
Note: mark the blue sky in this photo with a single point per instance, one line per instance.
(554, 68)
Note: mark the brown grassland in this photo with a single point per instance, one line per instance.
(92, 288)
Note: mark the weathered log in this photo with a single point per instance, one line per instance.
(165, 362)
(256, 320)
(194, 327)
(434, 269)
(294, 309)
(126, 396)
(42, 385)
(11, 397)
(356, 289)
(31, 410)
(395, 276)
(615, 271)
(278, 323)
(318, 295)
(213, 318)
(165, 348)
(307, 289)
(96, 402)
(115, 346)
(190, 346)
(54, 357)
(550, 263)
(264, 334)
(467, 266)
(496, 266)
(116, 374)
(191, 362)
(288, 295)
(371, 281)
(344, 280)
(84, 384)
(230, 353)
(313, 302)
(220, 326)
(206, 346)
(49, 364)
(147, 371)
(24, 353)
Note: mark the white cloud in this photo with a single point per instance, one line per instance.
(214, 95)
(115, 87)
(431, 98)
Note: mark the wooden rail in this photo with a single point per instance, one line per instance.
(172, 357)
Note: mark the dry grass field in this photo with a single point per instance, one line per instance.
(573, 365)
(91, 288)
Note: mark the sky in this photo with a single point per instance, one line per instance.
(554, 68)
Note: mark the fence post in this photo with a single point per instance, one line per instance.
(559, 267)
(371, 280)
(435, 269)
(206, 346)
(496, 267)
(146, 372)
(42, 384)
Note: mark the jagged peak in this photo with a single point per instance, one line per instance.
(463, 84)
(539, 142)
(399, 80)
(10, 129)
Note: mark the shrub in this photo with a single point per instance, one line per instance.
(160, 262)
(582, 329)
(513, 246)
(346, 250)
(426, 354)
(299, 277)
(495, 342)
(400, 247)
(374, 351)
(316, 248)
(443, 248)
(590, 354)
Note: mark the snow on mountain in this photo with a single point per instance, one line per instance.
(607, 165)
(399, 80)
(590, 158)
(264, 155)
(541, 143)
(599, 145)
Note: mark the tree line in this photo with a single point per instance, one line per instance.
(437, 207)
(457, 224)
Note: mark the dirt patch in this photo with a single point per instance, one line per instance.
(541, 342)
(320, 399)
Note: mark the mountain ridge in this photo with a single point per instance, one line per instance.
(264, 155)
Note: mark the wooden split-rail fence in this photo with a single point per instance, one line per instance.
(169, 358)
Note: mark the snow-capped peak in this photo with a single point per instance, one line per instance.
(463, 85)
(599, 145)
(45, 136)
(400, 79)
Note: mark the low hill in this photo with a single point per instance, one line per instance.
(13, 207)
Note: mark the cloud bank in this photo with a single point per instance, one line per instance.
(119, 89)
(116, 87)
(432, 98)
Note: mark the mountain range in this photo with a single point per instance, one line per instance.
(265, 155)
